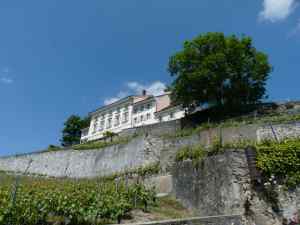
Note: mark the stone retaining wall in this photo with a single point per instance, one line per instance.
(213, 220)
(148, 148)
(221, 185)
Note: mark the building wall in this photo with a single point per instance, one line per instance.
(163, 101)
(141, 112)
(144, 113)
(97, 128)
(171, 114)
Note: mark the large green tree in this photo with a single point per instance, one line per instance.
(72, 130)
(219, 70)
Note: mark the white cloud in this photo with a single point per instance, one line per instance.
(136, 88)
(6, 80)
(277, 10)
(155, 88)
(111, 100)
(4, 76)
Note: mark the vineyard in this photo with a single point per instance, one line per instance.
(37, 201)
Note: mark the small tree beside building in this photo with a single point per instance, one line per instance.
(71, 133)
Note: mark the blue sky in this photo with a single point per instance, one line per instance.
(64, 57)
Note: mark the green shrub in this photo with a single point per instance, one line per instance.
(281, 160)
(195, 153)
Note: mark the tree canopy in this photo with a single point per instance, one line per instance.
(219, 71)
(72, 130)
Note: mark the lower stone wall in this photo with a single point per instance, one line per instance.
(215, 187)
(221, 185)
(214, 220)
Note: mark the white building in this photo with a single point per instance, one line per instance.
(130, 112)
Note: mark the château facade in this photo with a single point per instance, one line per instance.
(130, 112)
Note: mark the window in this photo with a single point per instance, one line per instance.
(125, 117)
(171, 115)
(135, 110)
(142, 118)
(102, 125)
(95, 126)
(142, 108)
(117, 120)
(148, 116)
(148, 106)
(109, 123)
(135, 120)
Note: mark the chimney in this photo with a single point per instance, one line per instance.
(144, 93)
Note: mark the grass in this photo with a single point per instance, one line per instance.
(166, 208)
(169, 208)
(103, 144)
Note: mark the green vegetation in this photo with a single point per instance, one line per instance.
(213, 68)
(41, 201)
(280, 160)
(195, 153)
(142, 171)
(169, 208)
(109, 135)
(53, 148)
(102, 144)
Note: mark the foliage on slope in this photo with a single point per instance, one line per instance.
(40, 201)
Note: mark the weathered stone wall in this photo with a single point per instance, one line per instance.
(143, 150)
(80, 164)
(279, 131)
(221, 186)
(215, 187)
(155, 129)
(214, 220)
